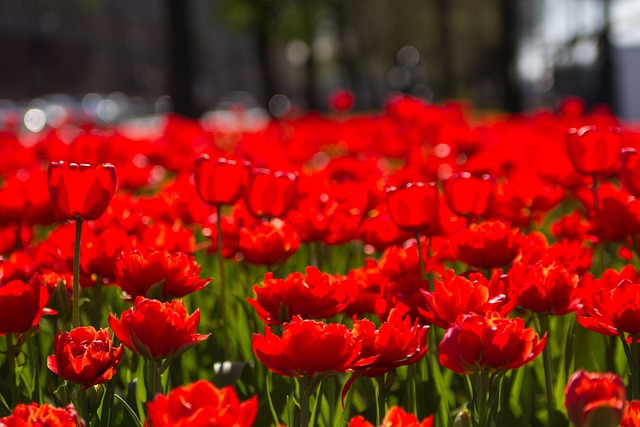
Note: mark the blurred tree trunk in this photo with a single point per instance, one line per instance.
(512, 96)
(605, 92)
(263, 44)
(444, 29)
(181, 58)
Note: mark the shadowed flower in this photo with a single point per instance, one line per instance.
(413, 206)
(22, 305)
(595, 399)
(271, 194)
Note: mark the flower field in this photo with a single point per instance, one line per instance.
(422, 265)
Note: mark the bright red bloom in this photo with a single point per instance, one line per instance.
(315, 295)
(454, 295)
(490, 343)
(469, 195)
(487, 245)
(220, 181)
(413, 206)
(44, 415)
(541, 287)
(157, 330)
(154, 273)
(396, 417)
(268, 242)
(85, 356)
(81, 191)
(341, 100)
(170, 237)
(271, 194)
(630, 171)
(308, 348)
(631, 415)
(594, 150)
(100, 250)
(589, 393)
(201, 404)
(397, 342)
(22, 305)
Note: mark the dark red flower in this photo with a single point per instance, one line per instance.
(157, 330)
(22, 305)
(630, 171)
(220, 181)
(587, 394)
(85, 356)
(413, 206)
(487, 245)
(313, 295)
(490, 342)
(201, 404)
(81, 191)
(594, 150)
(157, 273)
(307, 347)
(44, 415)
(469, 195)
(271, 194)
(454, 295)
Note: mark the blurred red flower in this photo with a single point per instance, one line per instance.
(454, 295)
(220, 181)
(587, 394)
(81, 192)
(594, 150)
(268, 242)
(307, 347)
(144, 271)
(413, 206)
(313, 295)
(631, 415)
(85, 356)
(201, 404)
(22, 305)
(469, 195)
(34, 414)
(396, 417)
(271, 194)
(156, 330)
(487, 245)
(488, 342)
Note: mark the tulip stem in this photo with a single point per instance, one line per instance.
(548, 370)
(11, 361)
(306, 387)
(223, 286)
(75, 314)
(423, 270)
(635, 356)
(154, 383)
(594, 189)
(633, 367)
(83, 406)
(481, 398)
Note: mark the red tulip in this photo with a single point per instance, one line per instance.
(81, 192)
(630, 171)
(307, 348)
(487, 245)
(490, 342)
(157, 330)
(34, 414)
(396, 417)
(413, 206)
(85, 356)
(220, 181)
(631, 416)
(595, 396)
(593, 150)
(271, 194)
(268, 242)
(469, 195)
(455, 295)
(341, 100)
(22, 305)
(315, 295)
(154, 273)
(201, 404)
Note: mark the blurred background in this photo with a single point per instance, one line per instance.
(111, 59)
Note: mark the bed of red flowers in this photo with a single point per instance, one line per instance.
(421, 265)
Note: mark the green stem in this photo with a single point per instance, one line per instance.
(12, 352)
(306, 387)
(548, 370)
(154, 385)
(35, 355)
(633, 368)
(223, 286)
(75, 319)
(635, 356)
(83, 405)
(594, 189)
(423, 270)
(381, 398)
(482, 399)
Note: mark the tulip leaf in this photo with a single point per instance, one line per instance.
(129, 410)
(227, 372)
(155, 290)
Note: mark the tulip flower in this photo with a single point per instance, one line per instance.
(201, 404)
(468, 195)
(630, 171)
(271, 194)
(34, 414)
(396, 417)
(594, 150)
(157, 273)
(595, 399)
(413, 206)
(487, 245)
(85, 356)
(22, 305)
(268, 242)
(220, 181)
(631, 415)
